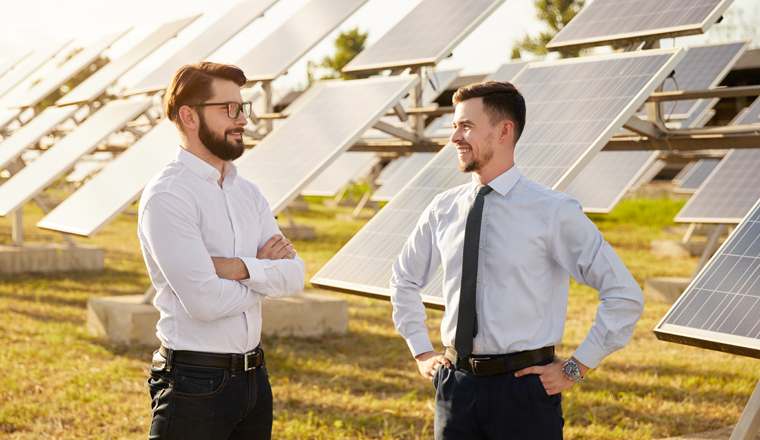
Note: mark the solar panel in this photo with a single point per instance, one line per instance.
(703, 67)
(574, 106)
(606, 179)
(58, 159)
(696, 176)
(120, 183)
(203, 45)
(720, 310)
(11, 61)
(605, 22)
(389, 169)
(311, 138)
(29, 66)
(684, 171)
(15, 145)
(347, 168)
(728, 193)
(403, 174)
(57, 78)
(291, 41)
(748, 116)
(117, 186)
(425, 36)
(94, 86)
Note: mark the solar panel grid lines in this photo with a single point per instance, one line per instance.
(213, 37)
(696, 176)
(617, 86)
(31, 180)
(684, 171)
(749, 115)
(328, 124)
(37, 59)
(720, 310)
(728, 193)
(703, 67)
(425, 36)
(605, 22)
(15, 145)
(576, 105)
(402, 175)
(347, 168)
(291, 41)
(76, 64)
(389, 169)
(607, 178)
(94, 86)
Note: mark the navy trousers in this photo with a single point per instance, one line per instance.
(210, 404)
(501, 406)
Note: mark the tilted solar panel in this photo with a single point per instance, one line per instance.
(684, 171)
(12, 60)
(15, 145)
(696, 176)
(26, 68)
(345, 169)
(403, 174)
(606, 179)
(748, 116)
(425, 36)
(611, 88)
(728, 193)
(720, 310)
(606, 22)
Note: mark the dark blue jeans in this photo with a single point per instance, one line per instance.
(501, 406)
(210, 403)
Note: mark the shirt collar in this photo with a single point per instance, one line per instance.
(503, 183)
(203, 169)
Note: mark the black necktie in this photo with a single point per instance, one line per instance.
(467, 324)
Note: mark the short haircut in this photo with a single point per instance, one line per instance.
(192, 84)
(501, 100)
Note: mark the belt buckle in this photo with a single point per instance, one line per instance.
(474, 362)
(247, 356)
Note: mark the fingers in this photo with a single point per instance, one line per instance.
(530, 370)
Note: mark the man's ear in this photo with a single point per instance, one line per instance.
(507, 131)
(188, 117)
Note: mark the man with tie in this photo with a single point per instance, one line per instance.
(508, 247)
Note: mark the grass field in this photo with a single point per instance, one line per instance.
(60, 382)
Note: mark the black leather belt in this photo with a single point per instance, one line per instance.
(234, 362)
(500, 363)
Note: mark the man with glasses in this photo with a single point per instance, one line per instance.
(213, 252)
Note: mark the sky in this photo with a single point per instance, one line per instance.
(33, 23)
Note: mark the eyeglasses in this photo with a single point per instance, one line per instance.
(233, 108)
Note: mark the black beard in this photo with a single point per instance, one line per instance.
(220, 146)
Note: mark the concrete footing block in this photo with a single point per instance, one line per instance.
(125, 320)
(298, 232)
(50, 257)
(665, 290)
(677, 248)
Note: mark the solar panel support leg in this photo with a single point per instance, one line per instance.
(46, 210)
(712, 245)
(689, 233)
(418, 121)
(17, 231)
(149, 295)
(749, 423)
(266, 87)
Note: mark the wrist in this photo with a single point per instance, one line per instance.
(242, 270)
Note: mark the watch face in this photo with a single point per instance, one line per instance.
(570, 369)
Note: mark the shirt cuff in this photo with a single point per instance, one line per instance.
(590, 355)
(255, 271)
(420, 343)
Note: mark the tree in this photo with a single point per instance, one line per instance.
(556, 14)
(75, 80)
(347, 46)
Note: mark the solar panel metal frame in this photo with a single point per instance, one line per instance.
(701, 207)
(357, 65)
(615, 186)
(749, 115)
(344, 170)
(94, 86)
(211, 39)
(684, 171)
(443, 173)
(14, 146)
(76, 64)
(269, 148)
(6, 66)
(557, 43)
(258, 62)
(33, 179)
(39, 57)
(389, 169)
(713, 339)
(403, 174)
(696, 176)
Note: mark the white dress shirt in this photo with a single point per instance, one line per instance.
(185, 218)
(532, 240)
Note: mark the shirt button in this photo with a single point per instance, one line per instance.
(478, 346)
(477, 313)
(478, 279)
(481, 246)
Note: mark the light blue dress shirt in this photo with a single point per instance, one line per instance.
(532, 240)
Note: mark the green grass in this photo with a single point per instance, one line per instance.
(60, 382)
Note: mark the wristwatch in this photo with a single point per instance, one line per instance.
(571, 371)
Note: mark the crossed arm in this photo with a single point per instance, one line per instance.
(276, 248)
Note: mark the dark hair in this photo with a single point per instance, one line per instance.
(501, 100)
(192, 84)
